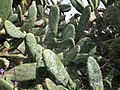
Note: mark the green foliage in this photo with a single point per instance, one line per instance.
(19, 73)
(56, 67)
(113, 18)
(69, 32)
(32, 12)
(4, 85)
(12, 30)
(13, 17)
(86, 45)
(71, 55)
(94, 73)
(5, 8)
(83, 22)
(66, 44)
(49, 84)
(28, 24)
(31, 44)
(53, 21)
(40, 50)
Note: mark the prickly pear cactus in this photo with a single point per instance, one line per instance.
(32, 12)
(31, 43)
(4, 85)
(13, 17)
(69, 32)
(114, 18)
(56, 67)
(52, 86)
(83, 22)
(22, 72)
(5, 8)
(41, 49)
(49, 84)
(67, 43)
(12, 30)
(53, 21)
(94, 74)
(71, 55)
(28, 24)
(86, 45)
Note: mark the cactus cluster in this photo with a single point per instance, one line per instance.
(40, 50)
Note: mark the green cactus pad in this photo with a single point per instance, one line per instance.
(83, 22)
(112, 15)
(32, 11)
(34, 48)
(31, 43)
(40, 67)
(20, 13)
(94, 74)
(66, 44)
(13, 17)
(56, 67)
(22, 72)
(36, 51)
(5, 8)
(87, 46)
(40, 11)
(49, 84)
(71, 55)
(60, 87)
(52, 86)
(39, 87)
(53, 21)
(69, 32)
(4, 85)
(12, 30)
(28, 24)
